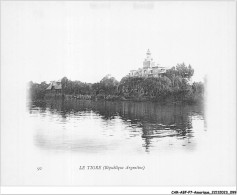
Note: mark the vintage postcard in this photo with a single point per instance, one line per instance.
(119, 94)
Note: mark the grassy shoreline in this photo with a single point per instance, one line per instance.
(165, 101)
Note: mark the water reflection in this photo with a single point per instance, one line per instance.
(114, 124)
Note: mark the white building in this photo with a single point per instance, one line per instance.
(149, 69)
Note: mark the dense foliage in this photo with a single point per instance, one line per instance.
(173, 86)
(37, 91)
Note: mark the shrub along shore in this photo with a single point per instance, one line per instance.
(174, 86)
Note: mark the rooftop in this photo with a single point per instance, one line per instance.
(54, 85)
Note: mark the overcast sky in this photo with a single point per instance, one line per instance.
(44, 41)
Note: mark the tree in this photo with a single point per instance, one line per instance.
(180, 70)
(37, 91)
(109, 85)
(184, 71)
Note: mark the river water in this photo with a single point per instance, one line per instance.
(103, 127)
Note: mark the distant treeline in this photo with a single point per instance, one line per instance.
(173, 86)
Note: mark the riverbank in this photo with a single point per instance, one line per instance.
(167, 100)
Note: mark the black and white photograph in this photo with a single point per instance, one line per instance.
(119, 94)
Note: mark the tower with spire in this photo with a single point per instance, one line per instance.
(149, 69)
(148, 61)
(148, 53)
